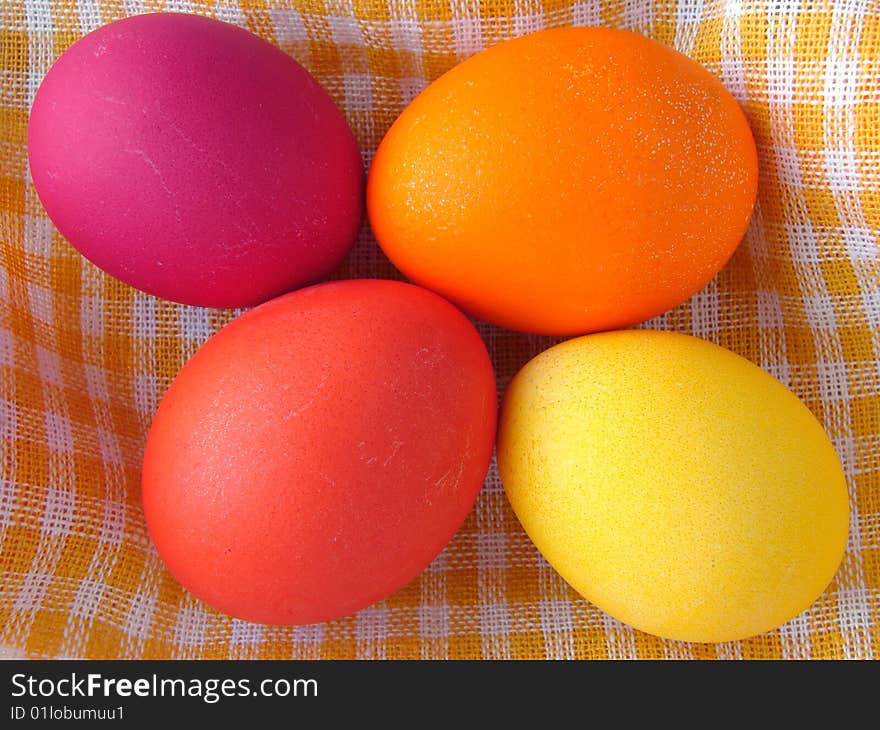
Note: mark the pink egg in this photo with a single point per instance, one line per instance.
(195, 161)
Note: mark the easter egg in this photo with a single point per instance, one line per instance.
(676, 485)
(320, 450)
(568, 181)
(195, 161)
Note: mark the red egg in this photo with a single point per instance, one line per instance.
(320, 450)
(195, 161)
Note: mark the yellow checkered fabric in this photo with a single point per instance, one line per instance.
(84, 359)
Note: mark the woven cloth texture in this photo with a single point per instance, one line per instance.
(85, 359)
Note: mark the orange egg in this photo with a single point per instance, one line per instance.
(568, 181)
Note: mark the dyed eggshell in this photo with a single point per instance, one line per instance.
(568, 181)
(673, 483)
(195, 161)
(320, 450)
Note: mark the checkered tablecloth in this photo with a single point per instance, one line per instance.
(84, 359)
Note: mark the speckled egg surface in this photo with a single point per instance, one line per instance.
(676, 485)
(195, 161)
(320, 450)
(568, 181)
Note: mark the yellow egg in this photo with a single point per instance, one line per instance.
(673, 483)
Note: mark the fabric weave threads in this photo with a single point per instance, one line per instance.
(85, 359)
